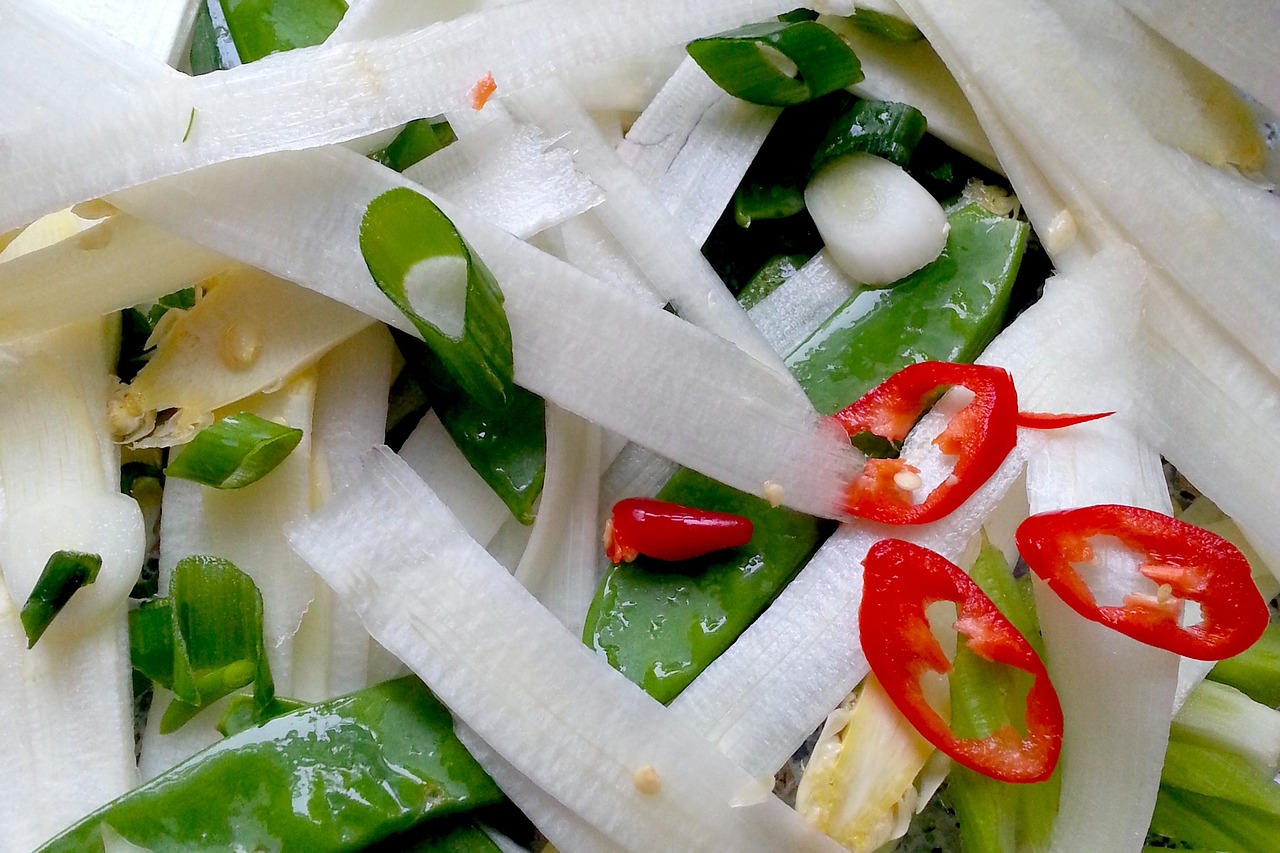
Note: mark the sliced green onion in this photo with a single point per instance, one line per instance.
(1255, 671)
(63, 574)
(420, 261)
(204, 641)
(418, 140)
(885, 128)
(775, 201)
(749, 63)
(885, 26)
(236, 451)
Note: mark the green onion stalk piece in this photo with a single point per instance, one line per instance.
(995, 816)
(885, 26)
(748, 63)
(63, 575)
(230, 32)
(661, 624)
(886, 129)
(420, 261)
(506, 443)
(418, 140)
(337, 776)
(204, 641)
(235, 452)
(1255, 671)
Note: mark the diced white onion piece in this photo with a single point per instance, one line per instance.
(582, 345)
(116, 263)
(509, 670)
(511, 176)
(274, 103)
(879, 224)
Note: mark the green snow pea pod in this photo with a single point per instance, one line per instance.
(335, 776)
(661, 624)
(948, 310)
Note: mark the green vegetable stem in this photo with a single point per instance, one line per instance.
(330, 777)
(661, 624)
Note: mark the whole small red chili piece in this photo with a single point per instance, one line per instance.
(1187, 563)
(980, 435)
(901, 580)
(668, 531)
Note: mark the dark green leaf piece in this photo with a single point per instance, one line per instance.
(332, 777)
(661, 623)
(63, 575)
(403, 233)
(886, 129)
(505, 443)
(743, 62)
(234, 452)
(418, 140)
(948, 310)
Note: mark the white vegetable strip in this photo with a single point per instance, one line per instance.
(913, 74)
(588, 245)
(508, 669)
(628, 85)
(795, 309)
(1124, 707)
(1236, 39)
(159, 28)
(716, 410)
(66, 712)
(116, 263)
(353, 384)
(694, 143)
(1218, 238)
(433, 456)
(633, 214)
(511, 176)
(559, 564)
(274, 103)
(1183, 103)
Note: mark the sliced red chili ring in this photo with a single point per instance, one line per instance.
(900, 581)
(1187, 562)
(980, 435)
(669, 531)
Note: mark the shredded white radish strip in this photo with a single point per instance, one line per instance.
(1125, 707)
(694, 143)
(913, 74)
(1218, 238)
(274, 103)
(634, 216)
(1236, 39)
(116, 263)
(717, 410)
(370, 19)
(509, 670)
(511, 176)
(628, 85)
(792, 313)
(159, 28)
(559, 565)
(587, 244)
(433, 456)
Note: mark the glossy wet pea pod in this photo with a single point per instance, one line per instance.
(661, 624)
(335, 776)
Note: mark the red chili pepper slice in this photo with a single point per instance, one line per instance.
(901, 580)
(668, 531)
(1050, 420)
(980, 435)
(1188, 562)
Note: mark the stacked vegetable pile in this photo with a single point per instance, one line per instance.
(332, 339)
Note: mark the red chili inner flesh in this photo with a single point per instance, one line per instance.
(1186, 563)
(900, 582)
(668, 531)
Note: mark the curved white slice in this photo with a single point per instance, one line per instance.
(879, 224)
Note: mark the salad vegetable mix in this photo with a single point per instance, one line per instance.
(586, 425)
